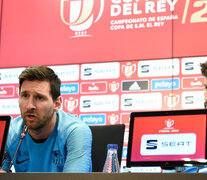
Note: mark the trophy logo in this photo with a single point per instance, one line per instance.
(128, 69)
(80, 16)
(71, 104)
(169, 127)
(171, 100)
(114, 86)
(113, 118)
(169, 123)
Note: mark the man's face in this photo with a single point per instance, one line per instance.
(36, 104)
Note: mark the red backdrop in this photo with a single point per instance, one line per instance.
(43, 32)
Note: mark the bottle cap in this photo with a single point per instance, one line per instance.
(112, 146)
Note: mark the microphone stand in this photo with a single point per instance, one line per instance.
(23, 134)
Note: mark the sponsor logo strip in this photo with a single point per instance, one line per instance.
(168, 144)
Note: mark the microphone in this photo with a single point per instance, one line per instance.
(24, 131)
(23, 134)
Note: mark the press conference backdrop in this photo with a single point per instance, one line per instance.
(106, 93)
(120, 56)
(82, 31)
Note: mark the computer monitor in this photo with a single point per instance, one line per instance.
(4, 128)
(167, 138)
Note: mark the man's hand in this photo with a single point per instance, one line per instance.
(2, 171)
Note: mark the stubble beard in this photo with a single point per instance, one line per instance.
(39, 123)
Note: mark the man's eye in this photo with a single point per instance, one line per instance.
(40, 97)
(24, 95)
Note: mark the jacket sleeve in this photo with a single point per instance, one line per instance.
(78, 148)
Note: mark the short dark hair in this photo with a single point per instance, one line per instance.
(42, 73)
(204, 69)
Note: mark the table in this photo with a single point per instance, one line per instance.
(103, 176)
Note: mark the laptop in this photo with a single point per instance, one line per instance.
(167, 138)
(4, 129)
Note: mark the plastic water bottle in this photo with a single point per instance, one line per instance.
(111, 164)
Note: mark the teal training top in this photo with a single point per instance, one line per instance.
(67, 149)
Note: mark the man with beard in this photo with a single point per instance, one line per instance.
(56, 141)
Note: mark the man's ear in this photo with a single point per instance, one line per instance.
(58, 103)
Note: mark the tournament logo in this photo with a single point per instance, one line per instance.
(113, 118)
(128, 69)
(114, 86)
(71, 104)
(172, 100)
(169, 127)
(169, 123)
(81, 15)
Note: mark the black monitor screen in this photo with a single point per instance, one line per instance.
(167, 138)
(4, 128)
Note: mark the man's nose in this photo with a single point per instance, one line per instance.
(31, 103)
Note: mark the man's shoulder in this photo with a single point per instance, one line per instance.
(68, 120)
(68, 123)
(15, 129)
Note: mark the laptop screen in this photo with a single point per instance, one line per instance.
(4, 128)
(167, 138)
